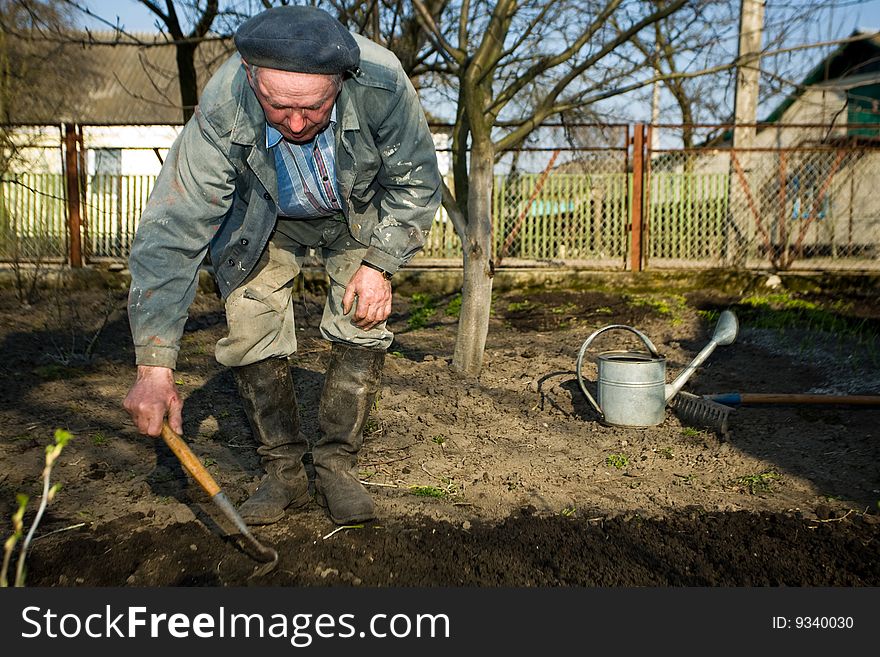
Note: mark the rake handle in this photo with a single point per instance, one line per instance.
(189, 460)
(735, 399)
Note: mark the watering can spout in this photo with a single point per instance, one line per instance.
(725, 333)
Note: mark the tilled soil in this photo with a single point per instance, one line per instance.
(510, 480)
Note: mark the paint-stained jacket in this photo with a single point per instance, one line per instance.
(218, 189)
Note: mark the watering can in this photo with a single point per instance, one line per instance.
(631, 385)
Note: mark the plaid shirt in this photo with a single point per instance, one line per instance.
(306, 174)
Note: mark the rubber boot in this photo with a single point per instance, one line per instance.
(269, 399)
(350, 388)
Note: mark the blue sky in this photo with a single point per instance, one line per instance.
(135, 17)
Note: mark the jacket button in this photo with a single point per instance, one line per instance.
(243, 241)
(230, 262)
(267, 196)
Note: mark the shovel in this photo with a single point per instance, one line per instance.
(191, 463)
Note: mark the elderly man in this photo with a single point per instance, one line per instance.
(309, 137)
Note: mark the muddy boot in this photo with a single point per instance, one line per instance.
(350, 388)
(269, 399)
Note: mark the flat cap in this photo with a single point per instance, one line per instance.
(297, 38)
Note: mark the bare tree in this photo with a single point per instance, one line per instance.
(186, 43)
(528, 61)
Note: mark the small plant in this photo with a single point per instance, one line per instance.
(453, 308)
(672, 306)
(439, 440)
(53, 451)
(690, 432)
(758, 483)
(428, 491)
(618, 461)
(568, 512)
(421, 310)
(208, 462)
(666, 452)
(99, 439)
(566, 308)
(517, 306)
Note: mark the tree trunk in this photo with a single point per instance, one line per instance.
(186, 67)
(476, 292)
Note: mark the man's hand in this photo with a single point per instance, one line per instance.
(373, 294)
(152, 396)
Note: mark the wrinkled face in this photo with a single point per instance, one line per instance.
(298, 105)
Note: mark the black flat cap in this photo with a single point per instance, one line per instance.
(300, 39)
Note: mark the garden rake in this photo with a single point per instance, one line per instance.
(701, 412)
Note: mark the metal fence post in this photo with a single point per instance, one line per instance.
(636, 255)
(71, 171)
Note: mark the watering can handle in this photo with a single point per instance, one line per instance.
(589, 340)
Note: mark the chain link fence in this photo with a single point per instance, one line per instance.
(802, 197)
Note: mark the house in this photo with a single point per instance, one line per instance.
(123, 91)
(120, 96)
(805, 189)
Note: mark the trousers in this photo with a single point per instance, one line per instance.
(259, 313)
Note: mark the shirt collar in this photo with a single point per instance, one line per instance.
(273, 136)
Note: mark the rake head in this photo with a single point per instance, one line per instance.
(701, 413)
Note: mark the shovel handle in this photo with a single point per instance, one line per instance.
(189, 460)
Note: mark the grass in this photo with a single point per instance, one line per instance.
(453, 308)
(782, 310)
(99, 439)
(428, 491)
(421, 310)
(619, 461)
(439, 440)
(517, 306)
(758, 483)
(671, 307)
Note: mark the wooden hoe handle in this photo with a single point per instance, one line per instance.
(189, 460)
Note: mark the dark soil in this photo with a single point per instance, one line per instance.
(506, 481)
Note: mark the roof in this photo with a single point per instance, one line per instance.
(851, 59)
(105, 79)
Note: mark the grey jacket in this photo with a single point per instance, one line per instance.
(218, 189)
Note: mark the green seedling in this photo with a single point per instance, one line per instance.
(516, 306)
(439, 440)
(666, 452)
(428, 491)
(422, 309)
(568, 512)
(99, 439)
(53, 451)
(758, 483)
(453, 308)
(618, 461)
(690, 432)
(672, 306)
(208, 462)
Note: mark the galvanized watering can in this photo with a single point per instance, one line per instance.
(631, 385)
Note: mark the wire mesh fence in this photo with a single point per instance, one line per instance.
(800, 197)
